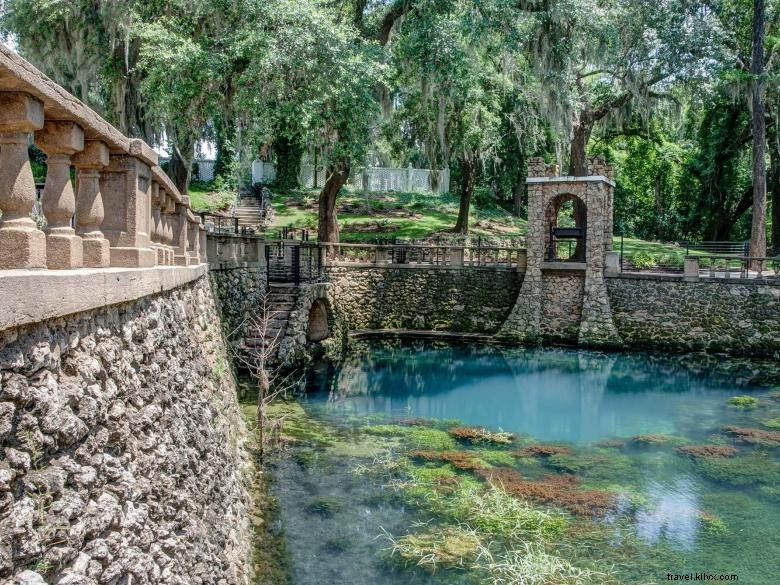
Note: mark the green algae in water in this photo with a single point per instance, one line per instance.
(674, 513)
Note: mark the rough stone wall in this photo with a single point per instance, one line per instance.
(122, 448)
(718, 315)
(295, 347)
(467, 300)
(236, 289)
(561, 306)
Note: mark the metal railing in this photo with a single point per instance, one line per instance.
(720, 248)
(294, 262)
(221, 224)
(742, 267)
(426, 255)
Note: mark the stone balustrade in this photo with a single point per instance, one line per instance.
(124, 211)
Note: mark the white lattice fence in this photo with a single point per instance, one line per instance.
(372, 179)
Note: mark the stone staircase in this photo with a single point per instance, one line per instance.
(280, 303)
(249, 212)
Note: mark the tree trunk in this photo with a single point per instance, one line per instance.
(774, 187)
(466, 193)
(758, 225)
(578, 166)
(328, 226)
(181, 166)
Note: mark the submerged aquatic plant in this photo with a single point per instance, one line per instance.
(325, 507)
(743, 402)
(542, 451)
(754, 436)
(771, 423)
(755, 468)
(651, 439)
(533, 565)
(711, 524)
(610, 443)
(442, 547)
(415, 436)
(462, 460)
(558, 490)
(493, 511)
(708, 450)
(481, 435)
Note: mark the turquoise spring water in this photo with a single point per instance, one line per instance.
(595, 405)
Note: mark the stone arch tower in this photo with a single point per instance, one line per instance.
(567, 300)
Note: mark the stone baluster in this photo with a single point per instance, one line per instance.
(60, 140)
(170, 220)
(22, 244)
(156, 228)
(89, 204)
(180, 230)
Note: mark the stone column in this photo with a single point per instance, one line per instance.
(22, 244)
(126, 187)
(203, 246)
(691, 269)
(60, 140)
(193, 240)
(89, 204)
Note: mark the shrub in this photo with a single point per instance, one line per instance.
(643, 260)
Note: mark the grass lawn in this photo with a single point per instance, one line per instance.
(204, 199)
(388, 215)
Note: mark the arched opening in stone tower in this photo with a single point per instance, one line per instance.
(566, 229)
(318, 321)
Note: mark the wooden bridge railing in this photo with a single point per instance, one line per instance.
(124, 210)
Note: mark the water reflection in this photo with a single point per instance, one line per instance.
(550, 394)
(672, 512)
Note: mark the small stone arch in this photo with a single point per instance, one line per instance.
(573, 234)
(318, 326)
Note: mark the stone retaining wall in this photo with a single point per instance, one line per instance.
(469, 300)
(237, 289)
(122, 447)
(719, 315)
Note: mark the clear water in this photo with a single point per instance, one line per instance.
(562, 396)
